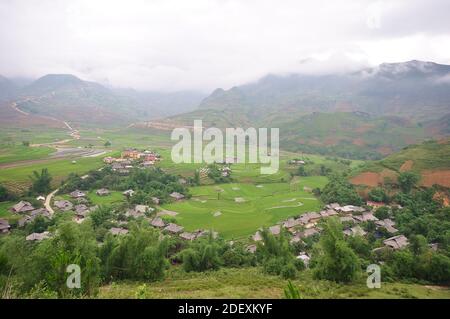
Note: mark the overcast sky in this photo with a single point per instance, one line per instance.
(201, 45)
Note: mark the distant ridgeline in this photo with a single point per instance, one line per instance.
(366, 115)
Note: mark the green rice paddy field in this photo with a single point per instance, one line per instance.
(237, 210)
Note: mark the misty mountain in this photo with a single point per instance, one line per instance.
(8, 89)
(366, 114)
(414, 89)
(66, 97)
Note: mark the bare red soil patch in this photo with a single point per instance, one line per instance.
(441, 196)
(364, 128)
(384, 150)
(373, 179)
(431, 177)
(359, 142)
(406, 166)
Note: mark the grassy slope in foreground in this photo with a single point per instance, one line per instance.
(265, 205)
(253, 283)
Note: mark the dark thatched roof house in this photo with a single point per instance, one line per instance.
(22, 207)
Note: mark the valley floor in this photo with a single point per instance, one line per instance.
(253, 283)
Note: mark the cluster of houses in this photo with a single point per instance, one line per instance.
(175, 229)
(29, 212)
(306, 225)
(128, 159)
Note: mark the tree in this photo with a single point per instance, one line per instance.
(382, 212)
(202, 255)
(335, 259)
(341, 191)
(71, 244)
(107, 144)
(197, 177)
(407, 181)
(378, 195)
(26, 143)
(418, 244)
(301, 171)
(41, 182)
(4, 194)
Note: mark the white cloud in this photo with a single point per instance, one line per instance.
(204, 44)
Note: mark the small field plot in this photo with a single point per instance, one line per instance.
(59, 169)
(15, 153)
(243, 207)
(113, 198)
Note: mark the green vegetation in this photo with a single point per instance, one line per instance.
(16, 153)
(334, 258)
(262, 205)
(339, 190)
(253, 282)
(41, 182)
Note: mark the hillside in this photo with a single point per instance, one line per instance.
(66, 97)
(7, 89)
(431, 160)
(365, 115)
(414, 89)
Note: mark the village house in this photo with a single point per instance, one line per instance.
(275, 230)
(296, 162)
(117, 166)
(109, 160)
(22, 207)
(309, 232)
(123, 171)
(128, 193)
(347, 219)
(328, 213)
(133, 213)
(291, 223)
(187, 236)
(355, 231)
(131, 154)
(375, 204)
(387, 224)
(147, 163)
(304, 257)
(257, 236)
(38, 236)
(158, 222)
(63, 205)
(396, 242)
(176, 196)
(296, 238)
(4, 226)
(40, 198)
(334, 206)
(350, 209)
(251, 249)
(118, 231)
(81, 210)
(35, 213)
(102, 192)
(173, 228)
(365, 217)
(77, 194)
(309, 219)
(155, 200)
(143, 209)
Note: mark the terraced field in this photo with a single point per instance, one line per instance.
(237, 210)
